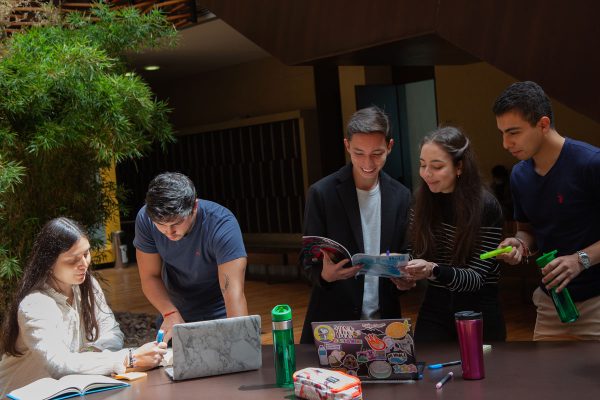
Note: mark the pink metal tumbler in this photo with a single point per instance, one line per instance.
(469, 326)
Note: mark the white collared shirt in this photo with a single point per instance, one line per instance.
(51, 336)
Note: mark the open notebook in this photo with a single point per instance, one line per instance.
(65, 387)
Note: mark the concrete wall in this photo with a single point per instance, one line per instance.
(465, 95)
(252, 89)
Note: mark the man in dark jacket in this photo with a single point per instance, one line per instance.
(365, 210)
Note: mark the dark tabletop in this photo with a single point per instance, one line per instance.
(514, 370)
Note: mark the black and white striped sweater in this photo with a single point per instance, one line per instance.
(475, 273)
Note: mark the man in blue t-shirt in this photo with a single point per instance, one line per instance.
(190, 254)
(556, 194)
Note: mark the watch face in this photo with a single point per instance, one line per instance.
(584, 259)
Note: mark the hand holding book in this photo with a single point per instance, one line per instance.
(332, 272)
(338, 257)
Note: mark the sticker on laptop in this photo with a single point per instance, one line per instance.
(371, 350)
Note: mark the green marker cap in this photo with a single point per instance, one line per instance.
(494, 253)
(281, 312)
(544, 259)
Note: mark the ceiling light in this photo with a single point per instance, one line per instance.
(151, 67)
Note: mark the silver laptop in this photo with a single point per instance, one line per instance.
(216, 347)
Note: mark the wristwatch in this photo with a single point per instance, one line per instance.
(584, 259)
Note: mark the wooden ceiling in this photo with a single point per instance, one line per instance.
(182, 13)
(554, 43)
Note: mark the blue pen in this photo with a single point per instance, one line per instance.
(446, 364)
(160, 336)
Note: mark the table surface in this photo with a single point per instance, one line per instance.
(514, 370)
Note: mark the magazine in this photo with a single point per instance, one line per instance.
(65, 387)
(385, 266)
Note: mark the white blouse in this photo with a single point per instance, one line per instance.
(51, 336)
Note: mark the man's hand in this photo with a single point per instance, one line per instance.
(167, 325)
(515, 256)
(560, 271)
(334, 272)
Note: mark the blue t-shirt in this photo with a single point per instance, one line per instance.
(563, 207)
(189, 269)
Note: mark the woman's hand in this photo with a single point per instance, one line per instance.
(419, 269)
(148, 356)
(516, 255)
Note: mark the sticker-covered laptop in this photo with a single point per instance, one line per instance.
(373, 350)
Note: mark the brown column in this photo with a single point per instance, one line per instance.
(329, 118)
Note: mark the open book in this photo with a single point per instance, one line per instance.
(385, 266)
(65, 387)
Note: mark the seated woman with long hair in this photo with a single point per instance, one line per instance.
(454, 220)
(59, 322)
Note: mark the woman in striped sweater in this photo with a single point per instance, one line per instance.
(453, 221)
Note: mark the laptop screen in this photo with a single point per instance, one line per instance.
(370, 349)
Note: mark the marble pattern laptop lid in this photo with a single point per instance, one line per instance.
(216, 347)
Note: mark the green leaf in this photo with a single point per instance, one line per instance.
(67, 111)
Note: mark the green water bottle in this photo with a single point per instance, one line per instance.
(567, 312)
(284, 353)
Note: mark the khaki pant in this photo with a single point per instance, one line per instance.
(549, 327)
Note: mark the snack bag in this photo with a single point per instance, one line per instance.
(324, 384)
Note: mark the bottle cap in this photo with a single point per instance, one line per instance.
(544, 259)
(281, 312)
(467, 315)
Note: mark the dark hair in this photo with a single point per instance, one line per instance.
(55, 238)
(466, 200)
(369, 120)
(527, 98)
(170, 195)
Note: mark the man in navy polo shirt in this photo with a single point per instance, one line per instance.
(190, 254)
(556, 193)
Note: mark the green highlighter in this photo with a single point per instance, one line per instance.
(494, 253)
